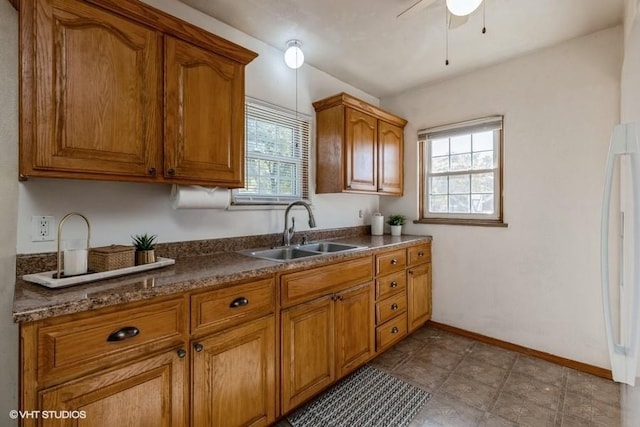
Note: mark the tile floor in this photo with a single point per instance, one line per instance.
(475, 384)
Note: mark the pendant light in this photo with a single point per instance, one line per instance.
(293, 56)
(462, 7)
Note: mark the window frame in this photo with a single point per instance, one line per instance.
(425, 136)
(260, 201)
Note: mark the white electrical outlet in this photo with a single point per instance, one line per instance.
(42, 229)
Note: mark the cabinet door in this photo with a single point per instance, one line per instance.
(98, 104)
(204, 125)
(234, 377)
(390, 159)
(355, 334)
(361, 151)
(419, 295)
(149, 393)
(308, 356)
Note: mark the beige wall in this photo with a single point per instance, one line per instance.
(536, 283)
(8, 207)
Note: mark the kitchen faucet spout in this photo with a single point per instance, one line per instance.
(288, 232)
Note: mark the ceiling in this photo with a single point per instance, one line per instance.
(361, 42)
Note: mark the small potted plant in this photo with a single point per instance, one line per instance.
(396, 222)
(145, 245)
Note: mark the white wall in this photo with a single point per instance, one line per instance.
(8, 208)
(537, 282)
(117, 210)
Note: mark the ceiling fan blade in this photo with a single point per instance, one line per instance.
(457, 21)
(415, 7)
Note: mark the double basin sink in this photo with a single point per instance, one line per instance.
(290, 253)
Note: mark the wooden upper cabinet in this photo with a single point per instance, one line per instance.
(359, 147)
(204, 127)
(118, 90)
(96, 104)
(361, 151)
(390, 159)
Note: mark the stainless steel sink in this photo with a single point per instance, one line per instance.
(282, 254)
(290, 253)
(328, 247)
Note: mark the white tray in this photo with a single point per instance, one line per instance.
(46, 278)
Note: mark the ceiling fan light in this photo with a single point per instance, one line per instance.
(293, 56)
(462, 7)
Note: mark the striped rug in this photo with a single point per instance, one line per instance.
(368, 397)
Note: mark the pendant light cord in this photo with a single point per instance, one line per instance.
(484, 17)
(446, 27)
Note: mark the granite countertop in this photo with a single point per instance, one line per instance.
(34, 302)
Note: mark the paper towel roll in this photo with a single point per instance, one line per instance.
(377, 224)
(197, 197)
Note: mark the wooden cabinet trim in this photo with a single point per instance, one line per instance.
(391, 332)
(391, 284)
(357, 104)
(418, 254)
(154, 18)
(391, 307)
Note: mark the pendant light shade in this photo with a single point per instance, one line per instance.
(293, 56)
(462, 7)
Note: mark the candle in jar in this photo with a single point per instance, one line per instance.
(75, 262)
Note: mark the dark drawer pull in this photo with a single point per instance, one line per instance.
(182, 353)
(198, 347)
(395, 330)
(420, 253)
(394, 261)
(239, 302)
(394, 284)
(123, 334)
(394, 306)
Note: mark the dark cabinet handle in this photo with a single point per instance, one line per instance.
(420, 253)
(171, 172)
(198, 347)
(394, 330)
(410, 271)
(182, 353)
(239, 302)
(394, 284)
(394, 261)
(123, 334)
(152, 171)
(394, 306)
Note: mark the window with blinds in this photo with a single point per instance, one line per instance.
(276, 155)
(461, 168)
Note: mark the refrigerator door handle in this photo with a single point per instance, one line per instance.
(624, 141)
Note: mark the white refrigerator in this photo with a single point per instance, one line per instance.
(620, 265)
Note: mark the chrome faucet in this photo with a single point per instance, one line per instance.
(289, 231)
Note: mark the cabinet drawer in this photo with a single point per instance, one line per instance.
(220, 308)
(419, 254)
(391, 284)
(390, 307)
(97, 340)
(391, 332)
(390, 262)
(308, 284)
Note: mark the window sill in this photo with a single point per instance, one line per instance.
(461, 221)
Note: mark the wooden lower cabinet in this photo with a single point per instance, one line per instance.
(355, 341)
(308, 350)
(149, 393)
(323, 340)
(234, 379)
(418, 295)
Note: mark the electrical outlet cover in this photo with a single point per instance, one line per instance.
(42, 228)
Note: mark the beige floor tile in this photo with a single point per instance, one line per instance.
(390, 359)
(428, 378)
(539, 369)
(444, 411)
(410, 345)
(437, 356)
(589, 409)
(453, 343)
(481, 371)
(523, 412)
(492, 355)
(598, 388)
(529, 388)
(469, 391)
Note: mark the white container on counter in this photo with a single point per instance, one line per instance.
(377, 224)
